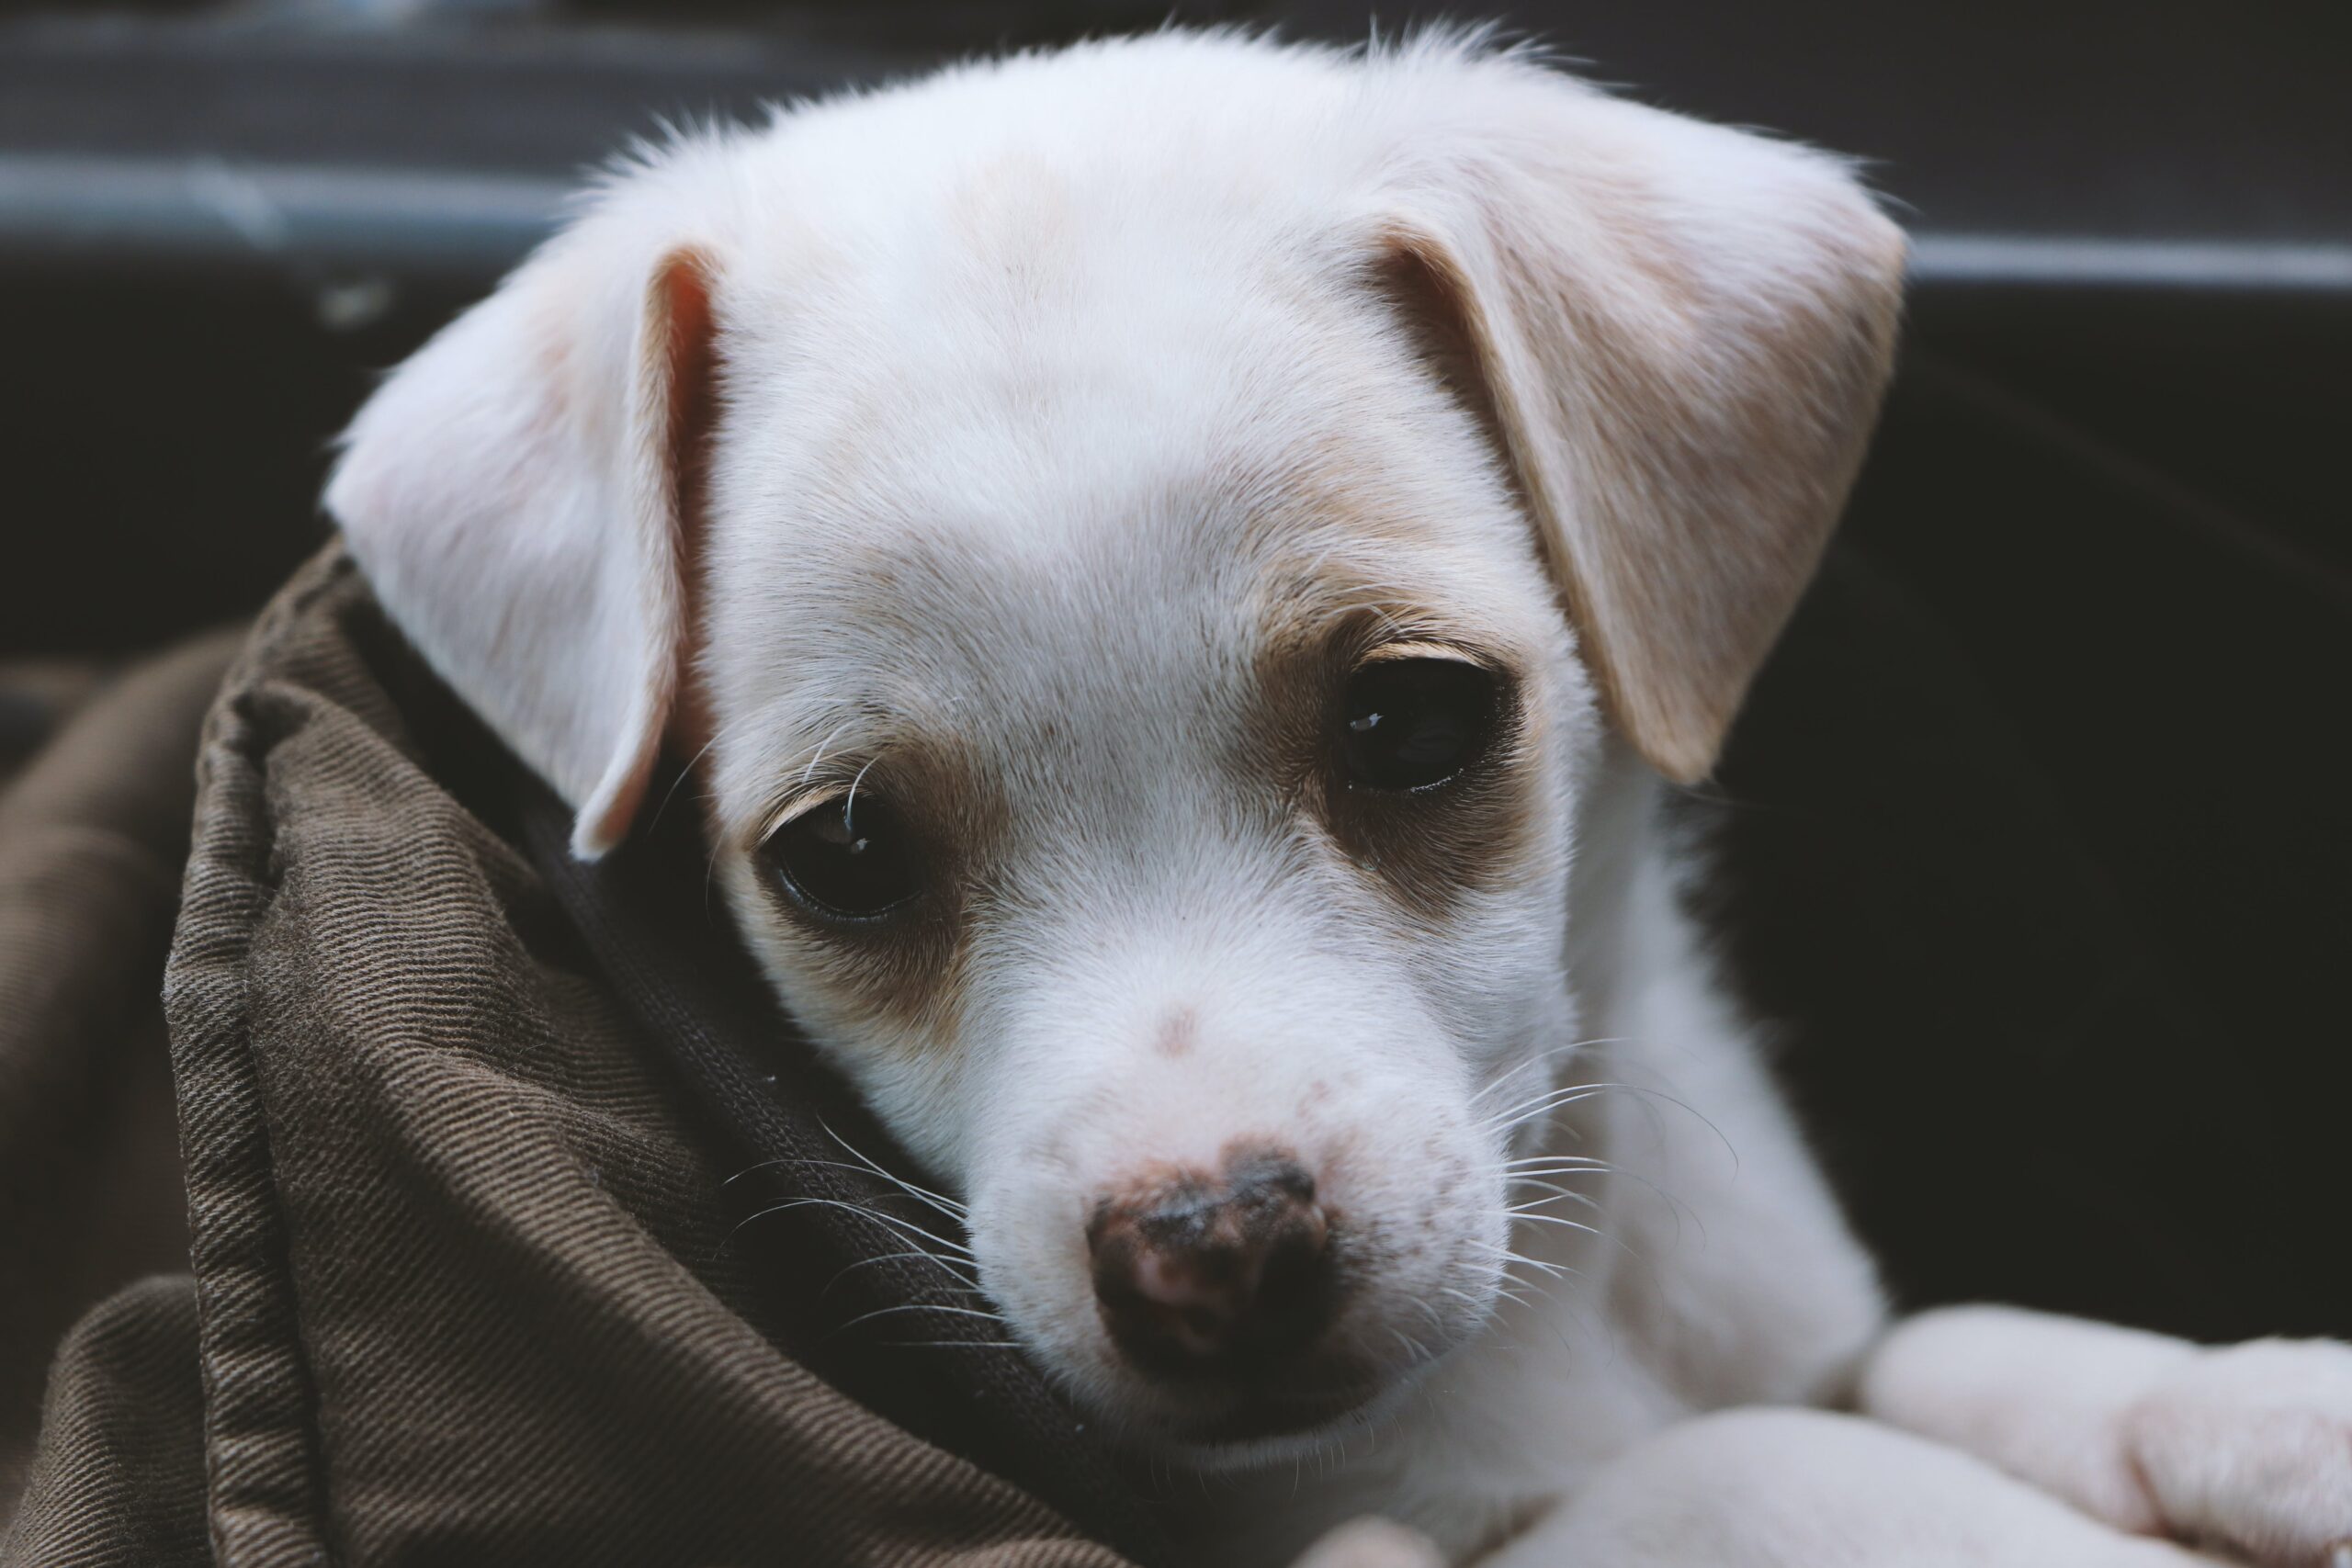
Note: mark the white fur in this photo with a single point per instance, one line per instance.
(1038, 379)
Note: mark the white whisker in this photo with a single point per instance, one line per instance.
(1552, 1220)
(967, 1287)
(1543, 1056)
(1559, 1193)
(918, 1306)
(874, 1214)
(953, 1343)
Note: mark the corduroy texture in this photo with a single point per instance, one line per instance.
(466, 1286)
(93, 833)
(120, 1475)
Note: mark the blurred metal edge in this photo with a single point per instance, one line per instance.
(316, 223)
(309, 223)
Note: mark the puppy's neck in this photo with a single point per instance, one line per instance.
(1624, 883)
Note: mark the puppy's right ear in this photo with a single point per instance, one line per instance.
(1678, 335)
(520, 495)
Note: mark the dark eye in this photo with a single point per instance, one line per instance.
(850, 858)
(1411, 723)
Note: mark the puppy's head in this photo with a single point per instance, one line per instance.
(1147, 547)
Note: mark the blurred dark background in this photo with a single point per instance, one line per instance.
(2034, 832)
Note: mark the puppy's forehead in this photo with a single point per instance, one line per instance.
(1016, 481)
(1009, 634)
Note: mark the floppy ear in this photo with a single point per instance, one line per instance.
(520, 495)
(1680, 334)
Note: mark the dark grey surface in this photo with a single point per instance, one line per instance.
(2091, 121)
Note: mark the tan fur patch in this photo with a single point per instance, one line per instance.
(905, 974)
(1180, 1033)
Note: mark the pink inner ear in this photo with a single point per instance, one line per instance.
(685, 288)
(682, 368)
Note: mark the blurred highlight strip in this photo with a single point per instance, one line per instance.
(308, 219)
(2124, 263)
(315, 220)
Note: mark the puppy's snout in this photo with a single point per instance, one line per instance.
(1215, 1273)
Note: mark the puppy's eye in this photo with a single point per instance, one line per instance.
(851, 858)
(1414, 722)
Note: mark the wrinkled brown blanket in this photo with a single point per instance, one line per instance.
(92, 838)
(460, 1281)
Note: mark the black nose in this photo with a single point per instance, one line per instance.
(1215, 1273)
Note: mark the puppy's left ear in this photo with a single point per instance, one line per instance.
(521, 495)
(1678, 334)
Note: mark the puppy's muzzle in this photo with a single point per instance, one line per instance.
(1218, 1274)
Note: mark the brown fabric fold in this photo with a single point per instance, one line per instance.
(119, 1477)
(464, 1281)
(93, 833)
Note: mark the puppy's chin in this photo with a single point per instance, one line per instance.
(1274, 1415)
(1271, 1426)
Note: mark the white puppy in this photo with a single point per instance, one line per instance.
(1182, 565)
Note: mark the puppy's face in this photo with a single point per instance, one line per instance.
(1108, 528)
(1147, 761)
